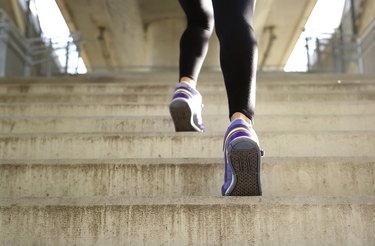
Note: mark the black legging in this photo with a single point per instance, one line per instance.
(238, 47)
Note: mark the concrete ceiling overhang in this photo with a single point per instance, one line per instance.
(101, 20)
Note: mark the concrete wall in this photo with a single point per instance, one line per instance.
(112, 31)
(163, 46)
(129, 36)
(367, 30)
(368, 15)
(368, 45)
(365, 11)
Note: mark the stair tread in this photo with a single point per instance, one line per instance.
(182, 161)
(130, 145)
(161, 77)
(186, 201)
(185, 134)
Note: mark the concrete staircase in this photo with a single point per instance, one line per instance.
(95, 161)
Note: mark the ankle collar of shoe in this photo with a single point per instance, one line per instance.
(236, 127)
(240, 121)
(185, 86)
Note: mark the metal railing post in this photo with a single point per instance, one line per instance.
(318, 54)
(27, 63)
(67, 57)
(308, 54)
(335, 55)
(27, 19)
(49, 59)
(358, 47)
(78, 56)
(3, 48)
(341, 51)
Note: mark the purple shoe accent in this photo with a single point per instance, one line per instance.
(180, 95)
(187, 87)
(227, 176)
(186, 109)
(242, 161)
(238, 134)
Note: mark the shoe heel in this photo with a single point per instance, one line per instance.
(181, 115)
(244, 156)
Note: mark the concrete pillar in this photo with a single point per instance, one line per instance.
(163, 38)
(126, 23)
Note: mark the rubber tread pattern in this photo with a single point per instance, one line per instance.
(245, 158)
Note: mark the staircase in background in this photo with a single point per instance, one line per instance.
(95, 161)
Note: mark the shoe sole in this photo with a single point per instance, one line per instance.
(182, 116)
(244, 157)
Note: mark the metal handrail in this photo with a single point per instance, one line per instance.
(342, 48)
(35, 51)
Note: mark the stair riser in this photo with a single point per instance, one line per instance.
(305, 108)
(209, 75)
(260, 224)
(134, 186)
(164, 124)
(309, 178)
(204, 88)
(160, 98)
(174, 146)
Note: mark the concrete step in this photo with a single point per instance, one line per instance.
(166, 97)
(142, 88)
(182, 177)
(188, 221)
(164, 123)
(135, 109)
(151, 77)
(181, 145)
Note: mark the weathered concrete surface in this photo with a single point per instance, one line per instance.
(366, 17)
(205, 89)
(164, 123)
(112, 31)
(134, 109)
(108, 161)
(171, 77)
(14, 88)
(211, 97)
(189, 221)
(182, 177)
(171, 145)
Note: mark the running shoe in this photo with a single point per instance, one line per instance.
(242, 160)
(186, 109)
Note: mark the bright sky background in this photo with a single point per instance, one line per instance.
(325, 18)
(54, 26)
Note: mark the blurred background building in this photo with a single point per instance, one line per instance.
(48, 37)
